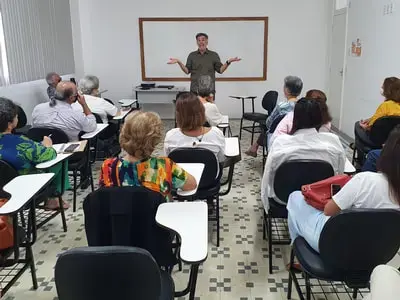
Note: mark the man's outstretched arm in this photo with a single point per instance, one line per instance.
(177, 61)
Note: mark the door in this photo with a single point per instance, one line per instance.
(337, 66)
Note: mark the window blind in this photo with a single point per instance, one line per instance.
(38, 38)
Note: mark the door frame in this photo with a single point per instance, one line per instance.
(339, 12)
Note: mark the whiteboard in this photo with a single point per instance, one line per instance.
(163, 38)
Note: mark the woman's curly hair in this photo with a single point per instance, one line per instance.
(141, 133)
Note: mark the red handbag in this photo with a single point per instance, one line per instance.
(6, 230)
(319, 193)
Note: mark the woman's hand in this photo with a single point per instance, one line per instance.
(47, 142)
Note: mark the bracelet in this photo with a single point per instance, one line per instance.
(228, 63)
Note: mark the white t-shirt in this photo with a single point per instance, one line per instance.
(213, 140)
(212, 113)
(98, 106)
(366, 190)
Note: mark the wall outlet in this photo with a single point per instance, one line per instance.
(388, 8)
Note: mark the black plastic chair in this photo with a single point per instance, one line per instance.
(125, 216)
(378, 135)
(209, 185)
(268, 103)
(351, 245)
(76, 163)
(103, 273)
(289, 177)
(22, 127)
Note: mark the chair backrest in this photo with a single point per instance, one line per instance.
(357, 240)
(99, 120)
(381, 129)
(125, 216)
(57, 135)
(198, 155)
(22, 120)
(292, 174)
(269, 101)
(103, 273)
(275, 123)
(7, 173)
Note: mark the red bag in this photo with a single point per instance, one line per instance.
(6, 230)
(319, 193)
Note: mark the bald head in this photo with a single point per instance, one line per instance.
(66, 91)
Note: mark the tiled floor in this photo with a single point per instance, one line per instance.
(238, 269)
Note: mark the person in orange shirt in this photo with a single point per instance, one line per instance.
(390, 107)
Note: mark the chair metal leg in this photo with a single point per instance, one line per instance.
(91, 178)
(252, 132)
(21, 215)
(354, 157)
(355, 292)
(62, 213)
(74, 197)
(290, 282)
(269, 232)
(217, 216)
(264, 225)
(308, 286)
(293, 279)
(240, 130)
(29, 256)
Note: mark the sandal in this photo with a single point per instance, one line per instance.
(54, 204)
(251, 153)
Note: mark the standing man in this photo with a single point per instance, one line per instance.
(202, 62)
(52, 80)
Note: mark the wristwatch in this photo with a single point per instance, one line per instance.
(228, 62)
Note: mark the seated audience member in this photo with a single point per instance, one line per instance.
(190, 118)
(139, 136)
(89, 86)
(303, 142)
(385, 283)
(59, 113)
(365, 190)
(213, 116)
(24, 154)
(390, 107)
(285, 126)
(52, 80)
(292, 88)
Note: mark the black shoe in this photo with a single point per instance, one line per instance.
(85, 184)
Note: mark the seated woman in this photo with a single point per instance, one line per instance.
(365, 190)
(292, 88)
(24, 154)
(303, 142)
(89, 86)
(139, 136)
(390, 107)
(190, 117)
(213, 116)
(285, 126)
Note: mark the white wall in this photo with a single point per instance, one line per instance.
(299, 34)
(28, 94)
(380, 58)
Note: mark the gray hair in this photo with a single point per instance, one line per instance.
(49, 77)
(294, 85)
(8, 111)
(88, 83)
(205, 86)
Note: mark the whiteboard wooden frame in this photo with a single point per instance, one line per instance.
(201, 19)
